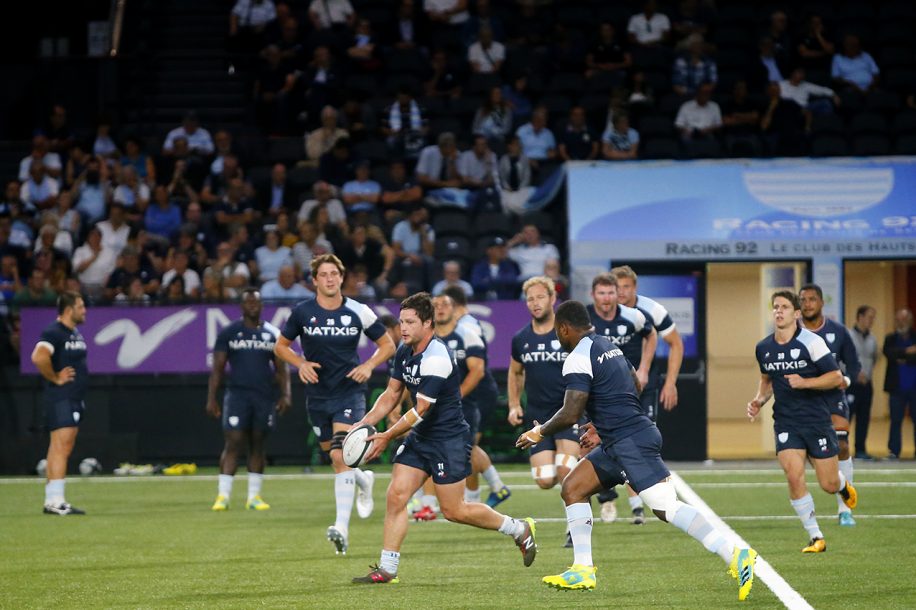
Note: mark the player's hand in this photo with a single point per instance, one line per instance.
(530, 438)
(588, 437)
(307, 373)
(380, 442)
(797, 382)
(668, 396)
(516, 415)
(361, 373)
(213, 409)
(753, 408)
(862, 378)
(65, 375)
(283, 405)
(643, 378)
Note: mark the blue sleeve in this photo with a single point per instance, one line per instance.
(516, 348)
(222, 341)
(375, 330)
(430, 386)
(759, 359)
(679, 76)
(578, 381)
(50, 335)
(397, 373)
(826, 364)
(476, 351)
(850, 357)
(291, 328)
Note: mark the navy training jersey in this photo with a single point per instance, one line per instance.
(486, 389)
(250, 352)
(464, 343)
(433, 375)
(330, 337)
(661, 320)
(68, 348)
(598, 367)
(542, 357)
(806, 355)
(843, 350)
(626, 330)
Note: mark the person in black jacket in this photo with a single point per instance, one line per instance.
(900, 382)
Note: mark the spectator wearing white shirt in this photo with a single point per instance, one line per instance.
(199, 140)
(530, 253)
(538, 142)
(451, 276)
(327, 14)
(800, 91)
(478, 166)
(179, 268)
(93, 263)
(337, 214)
(649, 28)
(247, 24)
(284, 287)
(132, 193)
(50, 160)
(235, 274)
(486, 56)
(448, 12)
(39, 189)
(271, 256)
(115, 231)
(700, 117)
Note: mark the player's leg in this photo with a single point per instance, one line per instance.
(257, 461)
(565, 459)
(235, 443)
(860, 408)
(499, 491)
(62, 418)
(792, 461)
(649, 401)
(543, 468)
(841, 425)
(427, 504)
(472, 483)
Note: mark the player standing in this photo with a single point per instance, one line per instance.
(437, 445)
(797, 367)
(485, 396)
(629, 329)
(60, 357)
(600, 381)
(251, 397)
(335, 381)
(843, 349)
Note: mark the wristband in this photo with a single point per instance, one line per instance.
(848, 382)
(413, 418)
(534, 435)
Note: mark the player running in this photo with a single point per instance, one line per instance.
(251, 397)
(797, 367)
(437, 445)
(844, 351)
(600, 381)
(329, 328)
(60, 357)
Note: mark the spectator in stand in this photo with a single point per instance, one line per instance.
(247, 23)
(608, 56)
(104, 145)
(356, 285)
(40, 153)
(289, 43)
(477, 167)
(518, 99)
(370, 254)
(406, 126)
(39, 189)
(217, 185)
(129, 269)
(284, 230)
(52, 238)
(337, 166)
(134, 295)
(495, 277)
(132, 193)
(437, 166)
(854, 69)
(76, 164)
(92, 193)
(10, 283)
(200, 232)
(691, 18)
(567, 51)
(741, 122)
(177, 267)
(235, 208)
(399, 192)
(364, 52)
(316, 87)
(561, 282)
(482, 17)
(412, 240)
(309, 246)
(514, 171)
(67, 218)
(60, 136)
(199, 141)
(783, 124)
(815, 51)
(93, 263)
(362, 195)
(176, 292)
(35, 293)
(447, 12)
(778, 32)
(271, 256)
(284, 288)
(222, 143)
(693, 69)
(620, 141)
(451, 276)
(139, 160)
(274, 83)
(323, 138)
(800, 91)
(530, 253)
(235, 275)
(767, 68)
(277, 197)
(11, 197)
(537, 140)
(323, 197)
(530, 27)
(115, 231)
(649, 28)
(405, 31)
(699, 118)
(486, 56)
(331, 14)
(182, 184)
(444, 80)
(578, 142)
(163, 218)
(494, 118)
(22, 231)
(212, 290)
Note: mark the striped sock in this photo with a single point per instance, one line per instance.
(492, 478)
(389, 561)
(225, 485)
(579, 520)
(344, 491)
(690, 521)
(845, 473)
(804, 508)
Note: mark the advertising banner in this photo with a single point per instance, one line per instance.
(180, 339)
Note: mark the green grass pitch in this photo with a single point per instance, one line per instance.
(154, 543)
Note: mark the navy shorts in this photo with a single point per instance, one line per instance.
(64, 413)
(549, 443)
(472, 416)
(486, 399)
(840, 407)
(325, 412)
(445, 460)
(817, 441)
(649, 401)
(636, 459)
(248, 410)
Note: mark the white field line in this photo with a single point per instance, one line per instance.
(728, 518)
(790, 598)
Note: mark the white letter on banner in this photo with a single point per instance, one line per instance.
(216, 320)
(137, 346)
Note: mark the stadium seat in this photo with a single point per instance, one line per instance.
(449, 223)
(394, 82)
(660, 148)
(900, 10)
(482, 83)
(376, 151)
(542, 220)
(362, 84)
(285, 150)
(906, 145)
(894, 32)
(829, 146)
(655, 125)
(567, 83)
(451, 247)
(905, 122)
(871, 145)
(406, 61)
(557, 105)
(897, 57)
(703, 149)
(868, 122)
(899, 79)
(259, 176)
(827, 123)
(879, 100)
(443, 124)
(602, 82)
(494, 223)
(302, 178)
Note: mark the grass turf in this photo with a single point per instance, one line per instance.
(154, 543)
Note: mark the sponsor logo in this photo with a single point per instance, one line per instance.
(831, 337)
(75, 345)
(348, 413)
(317, 431)
(786, 366)
(555, 344)
(530, 357)
(611, 353)
(76, 416)
(137, 346)
(233, 420)
(453, 343)
(400, 450)
(781, 356)
(541, 346)
(330, 331)
(239, 344)
(620, 340)
(621, 329)
(345, 320)
(795, 353)
(783, 437)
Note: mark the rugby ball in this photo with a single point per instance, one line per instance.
(90, 466)
(355, 446)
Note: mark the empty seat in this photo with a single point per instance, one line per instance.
(660, 148)
(879, 100)
(703, 149)
(569, 83)
(829, 146)
(452, 247)
(905, 122)
(868, 122)
(827, 123)
(285, 150)
(375, 151)
(871, 145)
(493, 223)
(451, 223)
(906, 145)
(656, 126)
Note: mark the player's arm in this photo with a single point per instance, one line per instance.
(668, 395)
(475, 374)
(514, 384)
(636, 380)
(384, 350)
(41, 358)
(764, 393)
(649, 343)
(286, 396)
(830, 380)
(307, 369)
(216, 380)
(574, 402)
(386, 401)
(407, 421)
(850, 358)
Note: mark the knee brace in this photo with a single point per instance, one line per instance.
(545, 472)
(661, 498)
(337, 440)
(564, 460)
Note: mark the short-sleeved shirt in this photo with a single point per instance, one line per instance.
(465, 343)
(409, 239)
(648, 30)
(598, 367)
(805, 355)
(367, 187)
(536, 144)
(578, 142)
(542, 358)
(251, 13)
(433, 375)
(661, 320)
(486, 59)
(625, 330)
(860, 70)
(623, 142)
(331, 338)
(250, 353)
(487, 386)
(68, 348)
(843, 351)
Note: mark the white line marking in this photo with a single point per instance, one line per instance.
(783, 484)
(726, 518)
(790, 598)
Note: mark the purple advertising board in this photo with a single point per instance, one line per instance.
(180, 339)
